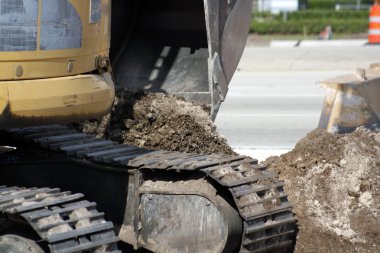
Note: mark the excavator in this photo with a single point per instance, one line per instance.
(65, 191)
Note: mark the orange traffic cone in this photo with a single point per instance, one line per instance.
(374, 24)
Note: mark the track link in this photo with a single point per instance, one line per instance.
(67, 223)
(269, 224)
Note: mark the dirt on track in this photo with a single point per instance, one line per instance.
(159, 121)
(333, 181)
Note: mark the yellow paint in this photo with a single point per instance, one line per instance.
(83, 96)
(50, 89)
(3, 99)
(54, 63)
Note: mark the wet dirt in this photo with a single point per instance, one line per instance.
(159, 121)
(334, 183)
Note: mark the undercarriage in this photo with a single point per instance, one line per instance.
(157, 200)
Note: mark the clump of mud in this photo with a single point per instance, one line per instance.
(159, 121)
(334, 183)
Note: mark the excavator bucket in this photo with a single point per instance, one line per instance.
(190, 48)
(352, 101)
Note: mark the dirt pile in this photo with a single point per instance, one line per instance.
(334, 183)
(159, 121)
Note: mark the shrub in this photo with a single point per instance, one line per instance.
(314, 21)
(330, 4)
(315, 14)
(311, 26)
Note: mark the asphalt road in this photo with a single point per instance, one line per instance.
(266, 113)
(274, 99)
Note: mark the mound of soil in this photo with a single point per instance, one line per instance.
(334, 183)
(159, 121)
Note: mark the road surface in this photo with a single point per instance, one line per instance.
(267, 113)
(274, 99)
(308, 59)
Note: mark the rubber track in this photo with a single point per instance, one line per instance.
(269, 224)
(67, 223)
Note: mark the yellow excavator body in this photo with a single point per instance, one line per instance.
(54, 61)
(55, 100)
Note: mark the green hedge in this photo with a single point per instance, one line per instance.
(321, 4)
(345, 21)
(312, 26)
(330, 4)
(315, 14)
